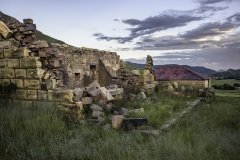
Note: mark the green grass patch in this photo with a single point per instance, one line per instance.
(211, 131)
(224, 81)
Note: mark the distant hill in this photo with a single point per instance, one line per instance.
(229, 74)
(40, 36)
(202, 70)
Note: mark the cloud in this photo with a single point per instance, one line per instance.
(234, 18)
(208, 30)
(149, 25)
(208, 2)
(207, 35)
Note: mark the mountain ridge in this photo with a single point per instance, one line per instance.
(200, 69)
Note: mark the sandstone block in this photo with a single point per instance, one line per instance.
(13, 63)
(42, 95)
(7, 73)
(21, 94)
(3, 63)
(5, 44)
(117, 121)
(32, 94)
(4, 30)
(5, 82)
(78, 92)
(32, 84)
(20, 73)
(51, 84)
(1, 53)
(8, 53)
(30, 62)
(106, 94)
(17, 82)
(87, 100)
(61, 96)
(28, 21)
(79, 105)
(21, 52)
(42, 44)
(35, 73)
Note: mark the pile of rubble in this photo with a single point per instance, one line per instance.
(98, 106)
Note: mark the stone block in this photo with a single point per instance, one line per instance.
(1, 53)
(30, 63)
(3, 63)
(79, 105)
(51, 84)
(21, 94)
(117, 121)
(32, 94)
(35, 73)
(106, 94)
(4, 30)
(21, 52)
(42, 95)
(5, 82)
(7, 73)
(17, 82)
(60, 96)
(78, 92)
(12, 63)
(87, 100)
(32, 84)
(5, 44)
(42, 44)
(20, 73)
(8, 53)
(28, 21)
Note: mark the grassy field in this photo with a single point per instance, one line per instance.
(225, 81)
(211, 131)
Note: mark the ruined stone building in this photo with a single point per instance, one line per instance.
(34, 71)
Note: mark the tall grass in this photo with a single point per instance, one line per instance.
(210, 132)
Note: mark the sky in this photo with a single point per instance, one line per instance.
(193, 32)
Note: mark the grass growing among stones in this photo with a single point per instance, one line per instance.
(211, 131)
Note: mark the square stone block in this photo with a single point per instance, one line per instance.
(21, 94)
(21, 52)
(60, 96)
(13, 63)
(32, 84)
(42, 95)
(5, 82)
(8, 53)
(30, 62)
(3, 63)
(35, 73)
(87, 100)
(32, 94)
(20, 73)
(1, 53)
(17, 82)
(5, 44)
(7, 73)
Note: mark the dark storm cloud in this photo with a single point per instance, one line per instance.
(152, 24)
(208, 30)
